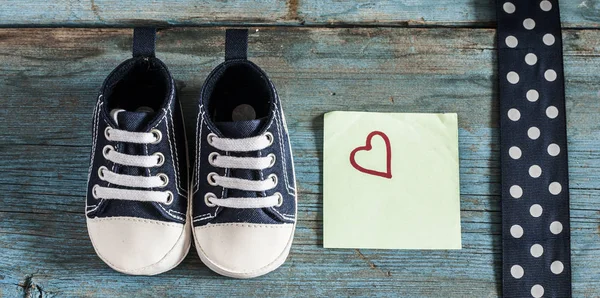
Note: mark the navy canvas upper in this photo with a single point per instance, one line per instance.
(210, 120)
(140, 115)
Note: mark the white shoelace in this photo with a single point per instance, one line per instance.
(147, 161)
(250, 163)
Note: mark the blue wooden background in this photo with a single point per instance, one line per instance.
(400, 56)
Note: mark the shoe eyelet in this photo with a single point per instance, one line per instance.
(164, 178)
(95, 192)
(274, 178)
(106, 150)
(212, 157)
(107, 133)
(170, 198)
(161, 159)
(207, 197)
(101, 172)
(211, 179)
(157, 134)
(269, 137)
(211, 136)
(279, 199)
(273, 159)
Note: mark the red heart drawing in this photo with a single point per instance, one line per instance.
(388, 173)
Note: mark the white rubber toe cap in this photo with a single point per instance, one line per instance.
(139, 246)
(243, 250)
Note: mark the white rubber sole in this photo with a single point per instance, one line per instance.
(250, 274)
(173, 258)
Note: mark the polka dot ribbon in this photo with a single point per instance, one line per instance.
(535, 197)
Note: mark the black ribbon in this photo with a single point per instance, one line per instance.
(535, 184)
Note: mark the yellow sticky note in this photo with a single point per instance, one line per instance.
(391, 181)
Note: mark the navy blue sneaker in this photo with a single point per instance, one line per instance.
(137, 206)
(244, 189)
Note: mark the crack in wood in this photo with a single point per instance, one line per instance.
(372, 265)
(292, 10)
(31, 289)
(95, 10)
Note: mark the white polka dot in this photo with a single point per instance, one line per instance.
(549, 39)
(533, 95)
(556, 267)
(509, 7)
(516, 191)
(553, 149)
(537, 291)
(536, 250)
(512, 77)
(556, 227)
(533, 133)
(535, 171)
(550, 75)
(517, 271)
(555, 188)
(546, 5)
(514, 114)
(552, 112)
(515, 152)
(536, 210)
(516, 231)
(529, 24)
(531, 59)
(511, 41)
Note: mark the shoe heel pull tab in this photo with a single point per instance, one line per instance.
(236, 44)
(144, 42)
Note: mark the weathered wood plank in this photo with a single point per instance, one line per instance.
(48, 88)
(109, 13)
(426, 13)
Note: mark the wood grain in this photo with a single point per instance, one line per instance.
(48, 87)
(111, 13)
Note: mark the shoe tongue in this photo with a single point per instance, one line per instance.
(241, 129)
(133, 121)
(236, 130)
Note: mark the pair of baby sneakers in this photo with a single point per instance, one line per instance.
(239, 206)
